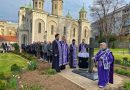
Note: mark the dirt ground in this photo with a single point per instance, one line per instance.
(54, 82)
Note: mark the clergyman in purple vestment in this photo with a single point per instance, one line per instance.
(73, 56)
(64, 47)
(105, 61)
(57, 54)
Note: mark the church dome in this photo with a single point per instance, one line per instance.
(29, 6)
(83, 9)
(68, 15)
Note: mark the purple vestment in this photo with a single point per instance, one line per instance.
(64, 52)
(60, 53)
(73, 56)
(105, 61)
(83, 48)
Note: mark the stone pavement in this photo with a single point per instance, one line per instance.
(88, 84)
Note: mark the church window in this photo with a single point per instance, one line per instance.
(39, 4)
(55, 6)
(85, 33)
(74, 32)
(22, 17)
(30, 26)
(10, 33)
(64, 30)
(82, 15)
(52, 29)
(85, 15)
(39, 27)
(35, 4)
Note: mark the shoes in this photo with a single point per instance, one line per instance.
(101, 86)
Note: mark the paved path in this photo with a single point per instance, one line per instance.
(88, 84)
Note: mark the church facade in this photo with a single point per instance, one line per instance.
(37, 25)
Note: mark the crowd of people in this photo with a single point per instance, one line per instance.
(60, 54)
(42, 50)
(6, 47)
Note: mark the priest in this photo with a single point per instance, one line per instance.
(83, 55)
(57, 53)
(73, 56)
(105, 61)
(64, 46)
(83, 47)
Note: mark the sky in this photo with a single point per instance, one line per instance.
(9, 8)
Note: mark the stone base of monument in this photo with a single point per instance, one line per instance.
(85, 73)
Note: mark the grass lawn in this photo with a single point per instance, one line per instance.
(8, 59)
(118, 53)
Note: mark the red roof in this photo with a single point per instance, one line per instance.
(8, 38)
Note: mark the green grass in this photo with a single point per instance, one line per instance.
(114, 50)
(8, 59)
(118, 53)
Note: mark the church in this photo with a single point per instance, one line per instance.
(37, 25)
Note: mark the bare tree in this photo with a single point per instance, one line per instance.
(104, 12)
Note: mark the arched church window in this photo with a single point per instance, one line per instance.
(85, 33)
(35, 4)
(31, 27)
(74, 32)
(23, 17)
(10, 33)
(39, 27)
(55, 6)
(52, 29)
(64, 30)
(39, 4)
(82, 15)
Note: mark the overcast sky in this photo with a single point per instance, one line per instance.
(9, 8)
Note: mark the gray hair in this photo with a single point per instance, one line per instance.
(103, 43)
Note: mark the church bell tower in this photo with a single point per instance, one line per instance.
(57, 7)
(82, 13)
(38, 4)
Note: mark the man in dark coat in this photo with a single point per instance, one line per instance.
(38, 49)
(49, 52)
(4, 48)
(57, 53)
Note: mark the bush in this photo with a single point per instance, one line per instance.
(127, 86)
(15, 68)
(2, 76)
(3, 84)
(13, 84)
(113, 45)
(32, 65)
(124, 62)
(16, 47)
(117, 61)
(122, 72)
